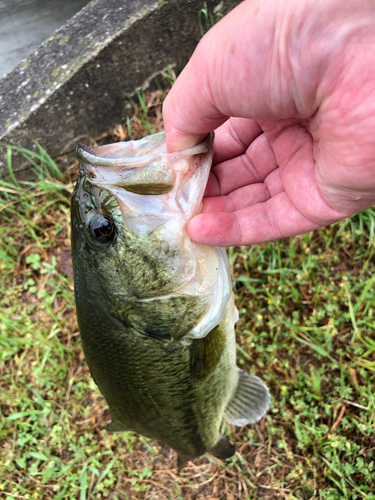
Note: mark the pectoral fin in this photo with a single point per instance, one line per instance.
(250, 401)
(205, 354)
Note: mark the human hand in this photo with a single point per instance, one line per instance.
(291, 86)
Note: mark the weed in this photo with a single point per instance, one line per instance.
(207, 19)
(147, 116)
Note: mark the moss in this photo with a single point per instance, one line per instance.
(56, 71)
(64, 40)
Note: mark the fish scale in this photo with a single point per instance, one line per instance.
(156, 311)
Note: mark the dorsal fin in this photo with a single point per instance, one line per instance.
(250, 401)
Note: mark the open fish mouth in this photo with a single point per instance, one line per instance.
(142, 167)
(151, 186)
(122, 154)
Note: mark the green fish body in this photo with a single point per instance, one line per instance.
(156, 311)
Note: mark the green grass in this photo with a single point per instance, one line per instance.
(207, 19)
(306, 327)
(306, 312)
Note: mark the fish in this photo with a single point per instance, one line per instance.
(156, 310)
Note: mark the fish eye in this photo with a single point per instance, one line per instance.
(102, 228)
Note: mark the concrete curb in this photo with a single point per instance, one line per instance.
(72, 88)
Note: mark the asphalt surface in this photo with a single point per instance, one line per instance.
(25, 24)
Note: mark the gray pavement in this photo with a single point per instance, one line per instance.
(25, 24)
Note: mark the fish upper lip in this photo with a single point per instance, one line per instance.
(86, 155)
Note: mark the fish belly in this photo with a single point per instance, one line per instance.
(172, 391)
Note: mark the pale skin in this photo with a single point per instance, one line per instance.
(289, 88)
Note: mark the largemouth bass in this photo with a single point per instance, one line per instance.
(155, 310)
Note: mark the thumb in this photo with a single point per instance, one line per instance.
(197, 102)
(226, 76)
(189, 111)
(264, 60)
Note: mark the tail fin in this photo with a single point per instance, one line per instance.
(250, 401)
